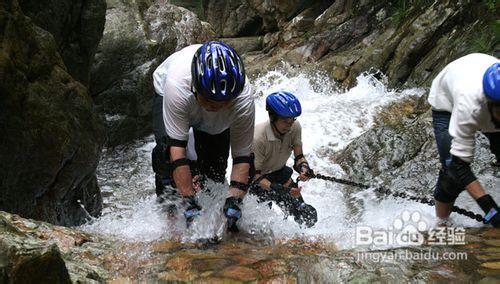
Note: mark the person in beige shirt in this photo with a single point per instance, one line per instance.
(274, 141)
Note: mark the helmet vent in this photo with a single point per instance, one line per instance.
(223, 85)
(213, 87)
(209, 62)
(220, 63)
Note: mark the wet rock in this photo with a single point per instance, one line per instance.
(488, 280)
(243, 45)
(231, 18)
(51, 134)
(491, 265)
(385, 148)
(273, 267)
(76, 27)
(30, 252)
(240, 273)
(32, 264)
(401, 153)
(409, 43)
(210, 264)
(419, 36)
(281, 279)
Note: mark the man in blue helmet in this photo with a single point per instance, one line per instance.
(465, 99)
(274, 141)
(203, 87)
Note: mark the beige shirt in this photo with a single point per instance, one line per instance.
(271, 152)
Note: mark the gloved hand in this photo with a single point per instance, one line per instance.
(305, 214)
(305, 172)
(491, 210)
(232, 212)
(192, 209)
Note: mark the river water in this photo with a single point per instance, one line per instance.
(331, 119)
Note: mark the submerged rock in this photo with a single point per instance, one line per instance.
(51, 135)
(34, 251)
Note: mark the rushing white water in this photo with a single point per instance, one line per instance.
(330, 120)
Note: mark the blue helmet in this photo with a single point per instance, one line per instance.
(217, 72)
(283, 104)
(491, 82)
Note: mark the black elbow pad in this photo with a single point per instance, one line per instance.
(461, 172)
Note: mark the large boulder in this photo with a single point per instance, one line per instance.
(37, 252)
(51, 136)
(401, 153)
(77, 27)
(137, 38)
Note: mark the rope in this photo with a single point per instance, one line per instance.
(402, 195)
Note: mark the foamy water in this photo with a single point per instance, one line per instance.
(330, 120)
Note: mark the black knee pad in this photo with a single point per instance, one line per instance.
(160, 161)
(447, 189)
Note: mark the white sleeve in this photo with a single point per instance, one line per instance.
(462, 129)
(175, 112)
(242, 129)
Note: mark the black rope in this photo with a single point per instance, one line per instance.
(403, 195)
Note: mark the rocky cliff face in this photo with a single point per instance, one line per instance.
(138, 36)
(51, 136)
(408, 40)
(76, 27)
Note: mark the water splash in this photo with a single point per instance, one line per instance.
(330, 120)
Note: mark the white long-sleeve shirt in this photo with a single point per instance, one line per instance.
(458, 89)
(172, 80)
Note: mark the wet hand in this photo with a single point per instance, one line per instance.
(295, 191)
(303, 176)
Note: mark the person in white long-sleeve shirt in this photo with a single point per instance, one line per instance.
(465, 99)
(203, 87)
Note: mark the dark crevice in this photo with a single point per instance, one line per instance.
(51, 185)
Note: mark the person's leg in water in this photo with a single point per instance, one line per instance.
(164, 183)
(444, 201)
(303, 213)
(160, 157)
(212, 152)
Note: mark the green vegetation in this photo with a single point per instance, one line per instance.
(402, 9)
(484, 40)
(483, 43)
(491, 5)
(401, 12)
